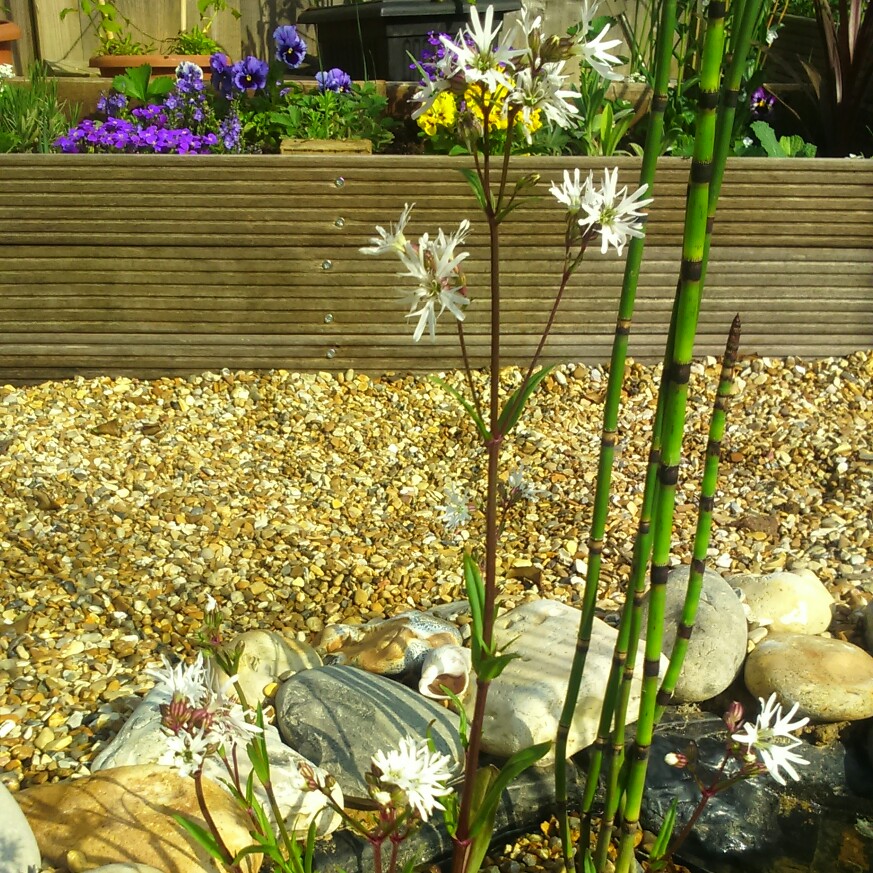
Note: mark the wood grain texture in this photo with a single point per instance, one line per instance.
(152, 265)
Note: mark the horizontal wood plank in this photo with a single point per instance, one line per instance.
(158, 264)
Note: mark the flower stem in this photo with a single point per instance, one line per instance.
(227, 856)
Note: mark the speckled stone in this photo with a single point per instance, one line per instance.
(389, 647)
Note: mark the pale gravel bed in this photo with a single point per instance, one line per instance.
(302, 500)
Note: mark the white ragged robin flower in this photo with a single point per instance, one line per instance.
(774, 742)
(420, 774)
(595, 51)
(614, 214)
(541, 89)
(478, 55)
(520, 487)
(7, 71)
(456, 509)
(435, 267)
(198, 720)
(393, 240)
(573, 191)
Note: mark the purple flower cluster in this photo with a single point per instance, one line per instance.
(334, 80)
(184, 124)
(249, 74)
(436, 51)
(124, 135)
(290, 46)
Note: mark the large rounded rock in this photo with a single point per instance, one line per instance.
(718, 642)
(266, 656)
(525, 701)
(831, 680)
(786, 602)
(125, 815)
(338, 717)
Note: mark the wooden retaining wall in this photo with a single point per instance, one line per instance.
(152, 265)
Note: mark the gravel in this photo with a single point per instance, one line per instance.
(301, 500)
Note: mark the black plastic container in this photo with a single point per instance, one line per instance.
(374, 39)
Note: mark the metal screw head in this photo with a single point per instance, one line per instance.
(340, 222)
(326, 264)
(328, 319)
(330, 353)
(339, 181)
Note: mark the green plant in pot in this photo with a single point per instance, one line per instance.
(122, 43)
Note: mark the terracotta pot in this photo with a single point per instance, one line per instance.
(162, 65)
(9, 32)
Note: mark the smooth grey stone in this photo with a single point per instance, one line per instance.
(338, 717)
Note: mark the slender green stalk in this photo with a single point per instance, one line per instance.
(747, 12)
(629, 628)
(688, 306)
(704, 521)
(654, 135)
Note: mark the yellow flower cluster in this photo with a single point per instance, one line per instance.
(442, 113)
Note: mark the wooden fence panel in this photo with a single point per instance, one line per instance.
(156, 265)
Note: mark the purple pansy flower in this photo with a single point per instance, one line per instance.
(333, 80)
(290, 46)
(221, 74)
(762, 103)
(188, 70)
(249, 74)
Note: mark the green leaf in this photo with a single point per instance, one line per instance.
(510, 771)
(516, 401)
(491, 666)
(476, 596)
(134, 82)
(462, 714)
(470, 409)
(767, 138)
(475, 183)
(202, 836)
(663, 839)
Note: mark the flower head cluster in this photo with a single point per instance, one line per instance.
(334, 80)
(197, 721)
(7, 71)
(435, 267)
(771, 735)
(290, 46)
(526, 69)
(419, 774)
(605, 210)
